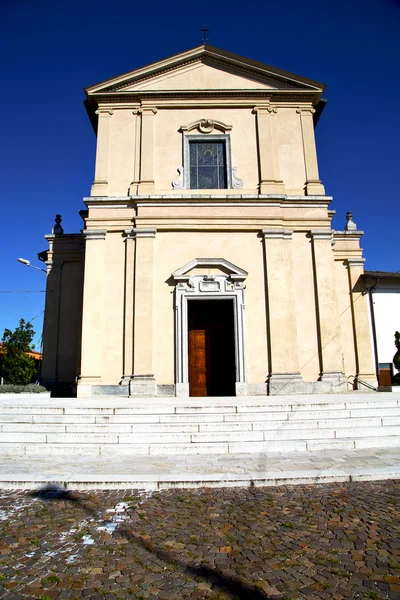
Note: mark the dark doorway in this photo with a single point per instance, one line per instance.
(211, 348)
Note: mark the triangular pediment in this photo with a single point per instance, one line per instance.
(198, 264)
(200, 76)
(204, 68)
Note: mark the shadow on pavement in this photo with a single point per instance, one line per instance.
(225, 583)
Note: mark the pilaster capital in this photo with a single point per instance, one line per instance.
(321, 234)
(94, 234)
(355, 262)
(305, 111)
(106, 112)
(141, 232)
(277, 234)
(265, 110)
(147, 110)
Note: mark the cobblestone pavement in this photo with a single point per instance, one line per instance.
(329, 541)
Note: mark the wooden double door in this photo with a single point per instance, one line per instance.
(211, 348)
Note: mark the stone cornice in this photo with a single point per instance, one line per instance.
(346, 235)
(321, 234)
(355, 262)
(94, 234)
(277, 234)
(141, 232)
(280, 198)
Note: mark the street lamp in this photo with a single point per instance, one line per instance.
(26, 262)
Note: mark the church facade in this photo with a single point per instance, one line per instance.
(207, 264)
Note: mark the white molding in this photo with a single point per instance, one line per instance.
(144, 232)
(206, 126)
(235, 273)
(277, 234)
(94, 234)
(355, 262)
(321, 234)
(191, 289)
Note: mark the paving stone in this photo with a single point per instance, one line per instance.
(336, 541)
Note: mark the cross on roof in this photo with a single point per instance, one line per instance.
(204, 30)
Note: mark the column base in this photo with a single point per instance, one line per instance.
(332, 382)
(99, 188)
(288, 384)
(241, 388)
(142, 386)
(182, 390)
(146, 187)
(314, 188)
(272, 187)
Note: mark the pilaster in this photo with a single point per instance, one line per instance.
(128, 306)
(268, 151)
(284, 376)
(143, 382)
(313, 184)
(100, 184)
(49, 374)
(93, 311)
(361, 325)
(327, 311)
(146, 183)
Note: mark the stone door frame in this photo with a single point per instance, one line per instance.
(209, 287)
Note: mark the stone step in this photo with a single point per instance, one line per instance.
(176, 407)
(159, 449)
(239, 413)
(224, 426)
(214, 437)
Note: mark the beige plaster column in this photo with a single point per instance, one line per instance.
(313, 184)
(93, 312)
(147, 185)
(133, 188)
(327, 311)
(284, 377)
(268, 150)
(143, 382)
(361, 324)
(129, 306)
(100, 184)
(49, 374)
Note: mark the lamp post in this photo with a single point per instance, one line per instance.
(26, 262)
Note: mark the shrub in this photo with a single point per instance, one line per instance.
(31, 388)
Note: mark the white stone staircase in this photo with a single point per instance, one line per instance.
(152, 426)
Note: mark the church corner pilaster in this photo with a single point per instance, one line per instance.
(328, 322)
(268, 150)
(100, 184)
(313, 184)
(361, 324)
(93, 311)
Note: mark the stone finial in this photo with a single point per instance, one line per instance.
(57, 229)
(350, 225)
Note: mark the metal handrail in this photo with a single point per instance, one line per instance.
(365, 383)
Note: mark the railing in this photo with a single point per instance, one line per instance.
(357, 380)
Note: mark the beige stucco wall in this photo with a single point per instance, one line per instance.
(174, 250)
(63, 310)
(304, 300)
(125, 147)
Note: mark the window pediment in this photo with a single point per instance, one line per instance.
(206, 126)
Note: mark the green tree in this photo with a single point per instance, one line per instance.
(18, 367)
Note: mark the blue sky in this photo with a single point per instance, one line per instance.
(50, 51)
